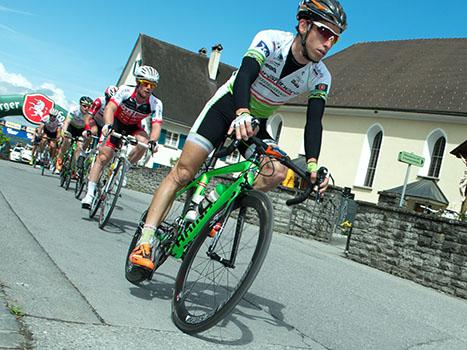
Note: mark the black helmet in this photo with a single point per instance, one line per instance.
(85, 100)
(329, 10)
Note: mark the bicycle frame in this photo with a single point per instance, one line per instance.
(188, 234)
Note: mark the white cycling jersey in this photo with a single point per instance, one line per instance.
(50, 125)
(268, 92)
(76, 117)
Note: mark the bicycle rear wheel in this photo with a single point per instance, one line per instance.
(111, 193)
(217, 272)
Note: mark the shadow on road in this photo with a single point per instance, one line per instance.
(251, 307)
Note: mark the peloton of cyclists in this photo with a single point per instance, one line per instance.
(277, 67)
(124, 114)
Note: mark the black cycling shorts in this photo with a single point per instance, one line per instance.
(211, 126)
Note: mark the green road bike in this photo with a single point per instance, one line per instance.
(223, 249)
(85, 163)
(43, 157)
(68, 164)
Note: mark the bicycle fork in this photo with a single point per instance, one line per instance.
(238, 235)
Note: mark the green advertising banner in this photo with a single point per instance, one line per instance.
(33, 107)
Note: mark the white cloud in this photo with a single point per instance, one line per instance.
(7, 9)
(16, 80)
(13, 83)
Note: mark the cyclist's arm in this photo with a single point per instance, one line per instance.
(66, 123)
(109, 112)
(87, 119)
(314, 128)
(155, 131)
(40, 130)
(246, 75)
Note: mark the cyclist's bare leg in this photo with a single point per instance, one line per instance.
(104, 156)
(191, 159)
(52, 148)
(272, 174)
(138, 151)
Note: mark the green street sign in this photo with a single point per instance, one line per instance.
(410, 158)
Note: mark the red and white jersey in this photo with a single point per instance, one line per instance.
(131, 112)
(97, 110)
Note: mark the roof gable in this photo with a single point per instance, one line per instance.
(419, 75)
(184, 86)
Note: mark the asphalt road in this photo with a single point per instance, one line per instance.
(67, 276)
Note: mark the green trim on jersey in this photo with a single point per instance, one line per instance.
(259, 57)
(318, 94)
(259, 109)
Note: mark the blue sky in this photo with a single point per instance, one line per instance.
(71, 48)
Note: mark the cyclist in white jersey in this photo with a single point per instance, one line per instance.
(49, 130)
(74, 125)
(277, 67)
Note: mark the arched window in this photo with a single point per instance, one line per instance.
(433, 153)
(371, 170)
(369, 157)
(274, 126)
(437, 157)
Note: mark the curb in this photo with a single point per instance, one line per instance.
(11, 328)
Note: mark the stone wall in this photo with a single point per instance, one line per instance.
(426, 249)
(308, 219)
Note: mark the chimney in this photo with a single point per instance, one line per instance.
(214, 60)
(203, 52)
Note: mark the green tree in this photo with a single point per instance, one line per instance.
(3, 138)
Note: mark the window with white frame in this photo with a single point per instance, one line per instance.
(233, 158)
(437, 157)
(171, 139)
(274, 126)
(369, 157)
(371, 170)
(433, 152)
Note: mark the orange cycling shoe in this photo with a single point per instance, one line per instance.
(141, 256)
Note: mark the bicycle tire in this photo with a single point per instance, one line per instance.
(79, 185)
(115, 182)
(257, 206)
(96, 201)
(136, 276)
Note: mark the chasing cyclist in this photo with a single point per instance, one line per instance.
(277, 67)
(94, 120)
(49, 129)
(74, 126)
(123, 114)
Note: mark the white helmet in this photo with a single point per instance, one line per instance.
(54, 112)
(110, 91)
(147, 73)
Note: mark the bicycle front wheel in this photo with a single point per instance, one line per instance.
(217, 271)
(111, 193)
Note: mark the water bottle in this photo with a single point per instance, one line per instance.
(212, 196)
(193, 211)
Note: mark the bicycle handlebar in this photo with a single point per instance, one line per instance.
(130, 138)
(264, 149)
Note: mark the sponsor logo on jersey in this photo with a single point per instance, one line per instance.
(36, 107)
(263, 47)
(270, 67)
(295, 83)
(322, 87)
